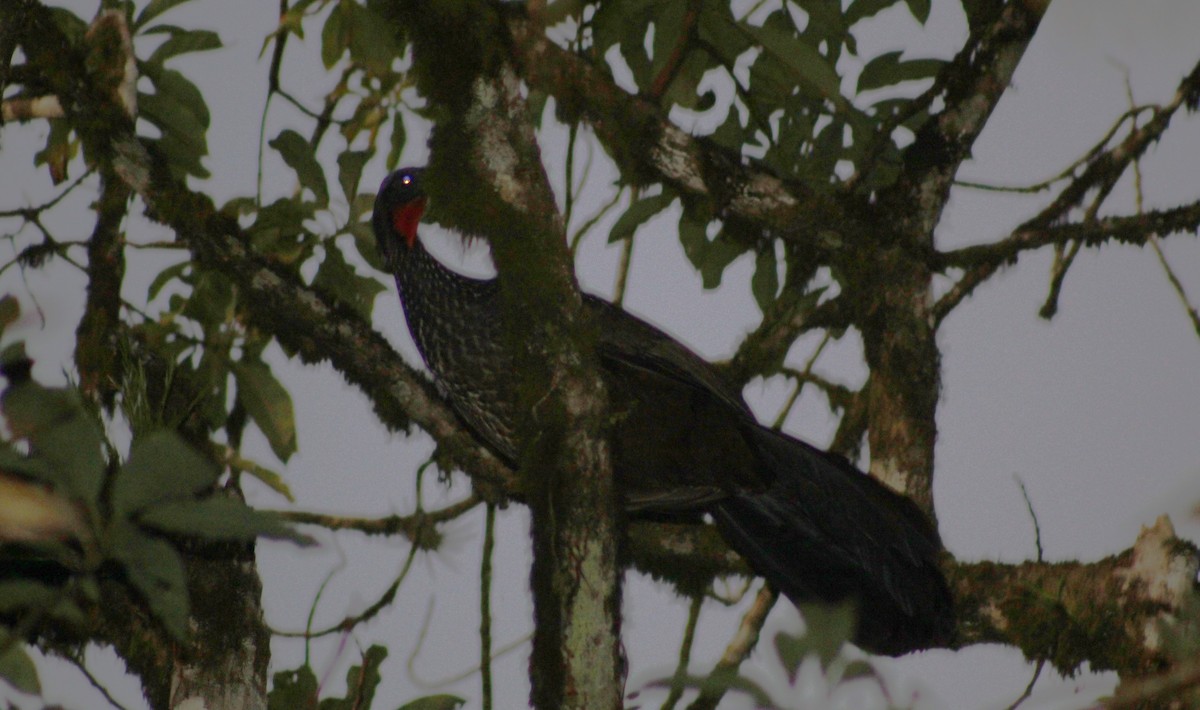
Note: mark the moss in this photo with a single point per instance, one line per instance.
(225, 593)
(471, 28)
(1064, 613)
(689, 557)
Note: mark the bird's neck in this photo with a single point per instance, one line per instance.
(418, 273)
(438, 301)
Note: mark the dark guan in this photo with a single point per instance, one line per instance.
(684, 443)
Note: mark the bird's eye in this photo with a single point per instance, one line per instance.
(406, 179)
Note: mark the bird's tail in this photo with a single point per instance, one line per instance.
(823, 531)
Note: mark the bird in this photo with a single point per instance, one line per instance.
(685, 446)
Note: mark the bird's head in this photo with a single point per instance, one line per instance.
(399, 205)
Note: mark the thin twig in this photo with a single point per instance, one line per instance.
(312, 609)
(410, 526)
(1037, 672)
(1068, 172)
(1058, 276)
(1175, 283)
(738, 650)
(685, 654)
(38, 209)
(1139, 198)
(587, 226)
(1101, 173)
(623, 271)
(1037, 529)
(569, 199)
(1155, 690)
(801, 380)
(485, 606)
(370, 612)
(79, 664)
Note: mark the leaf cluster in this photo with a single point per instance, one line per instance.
(298, 688)
(74, 513)
(789, 106)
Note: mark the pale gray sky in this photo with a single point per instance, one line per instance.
(1097, 411)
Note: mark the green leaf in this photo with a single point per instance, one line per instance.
(59, 150)
(165, 276)
(153, 9)
(859, 668)
(829, 627)
(278, 230)
(291, 21)
(338, 279)
(33, 468)
(17, 667)
(177, 108)
(211, 300)
(434, 702)
(730, 134)
(219, 518)
(887, 70)
(361, 682)
(22, 595)
(177, 121)
(718, 29)
(181, 90)
(693, 237)
(13, 354)
(156, 570)
(791, 650)
(709, 257)
(350, 167)
(625, 23)
(335, 35)
(60, 433)
(560, 10)
(293, 689)
(269, 405)
(73, 26)
(10, 311)
(181, 41)
(181, 159)
(810, 70)
(298, 154)
(862, 9)
(268, 477)
(765, 282)
(683, 90)
(720, 254)
(919, 9)
(161, 467)
(638, 213)
(372, 39)
(668, 31)
(397, 139)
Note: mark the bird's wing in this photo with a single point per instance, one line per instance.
(678, 439)
(635, 343)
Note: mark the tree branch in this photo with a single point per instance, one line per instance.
(418, 527)
(1119, 613)
(982, 260)
(486, 172)
(1107, 612)
(96, 348)
(890, 273)
(744, 641)
(974, 83)
(1102, 172)
(662, 152)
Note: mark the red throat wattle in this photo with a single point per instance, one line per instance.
(406, 217)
